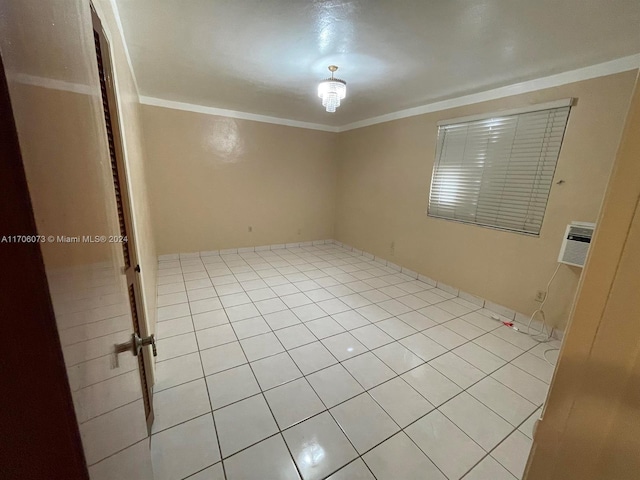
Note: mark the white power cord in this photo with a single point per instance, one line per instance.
(539, 310)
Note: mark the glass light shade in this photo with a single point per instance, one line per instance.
(332, 91)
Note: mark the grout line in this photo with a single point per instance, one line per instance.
(215, 429)
(430, 287)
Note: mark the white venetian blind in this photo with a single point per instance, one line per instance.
(498, 171)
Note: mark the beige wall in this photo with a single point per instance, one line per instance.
(384, 174)
(591, 423)
(212, 177)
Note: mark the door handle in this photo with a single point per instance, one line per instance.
(135, 346)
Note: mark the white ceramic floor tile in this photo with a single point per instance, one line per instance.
(502, 400)
(319, 447)
(458, 370)
(173, 311)
(172, 299)
(373, 313)
(445, 444)
(350, 319)
(261, 346)
(293, 402)
(184, 449)
(244, 423)
(173, 327)
(318, 295)
(334, 385)
(344, 346)
(215, 472)
(179, 404)
(234, 299)
(176, 346)
(534, 366)
(399, 458)
(201, 294)
(221, 358)
(265, 298)
(528, 425)
(212, 337)
(423, 346)
(171, 288)
(464, 329)
(228, 289)
(482, 424)
(371, 336)
(355, 300)
(132, 462)
(295, 336)
(242, 312)
(518, 339)
(398, 357)
(270, 306)
(356, 470)
(479, 357)
(210, 319)
(261, 294)
(231, 385)
(436, 314)
(269, 458)
(365, 423)
(401, 401)
(445, 337)
(283, 319)
(205, 305)
(395, 328)
(275, 370)
(431, 384)
(309, 312)
(250, 327)
(521, 382)
(481, 321)
(177, 371)
(417, 320)
(487, 469)
(312, 357)
(394, 307)
(333, 306)
(513, 453)
(368, 370)
(498, 347)
(296, 300)
(324, 327)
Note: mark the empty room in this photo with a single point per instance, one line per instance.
(328, 239)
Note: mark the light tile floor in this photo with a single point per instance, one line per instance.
(315, 362)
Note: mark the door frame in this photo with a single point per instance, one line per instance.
(41, 438)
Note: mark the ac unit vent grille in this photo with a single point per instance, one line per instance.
(575, 245)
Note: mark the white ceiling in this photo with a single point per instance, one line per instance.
(267, 56)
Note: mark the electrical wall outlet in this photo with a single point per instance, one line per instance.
(540, 296)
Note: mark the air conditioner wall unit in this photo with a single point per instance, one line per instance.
(576, 242)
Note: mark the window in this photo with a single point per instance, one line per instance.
(497, 170)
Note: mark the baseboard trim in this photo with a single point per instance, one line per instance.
(504, 313)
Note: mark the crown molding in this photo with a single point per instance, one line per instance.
(190, 107)
(618, 65)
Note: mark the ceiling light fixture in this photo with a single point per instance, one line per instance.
(332, 90)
